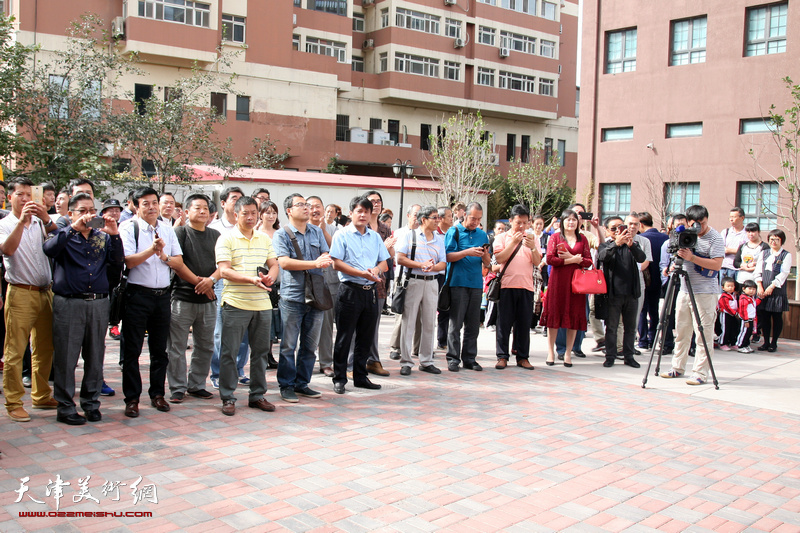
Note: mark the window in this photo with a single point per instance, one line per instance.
(621, 51)
(219, 103)
(760, 204)
(515, 41)
(358, 22)
(424, 66)
(679, 196)
(547, 48)
(689, 41)
(243, 108)
(525, 149)
(511, 146)
(121, 165)
(547, 87)
(766, 30)
(358, 64)
(375, 124)
(523, 6)
(517, 82)
(295, 42)
(687, 129)
(425, 136)
(452, 28)
(384, 62)
(615, 200)
(233, 28)
(562, 152)
(182, 11)
(414, 20)
(59, 96)
(393, 128)
(756, 125)
(336, 7)
(617, 134)
(486, 76)
(342, 127)
(141, 93)
(297, 3)
(148, 168)
(549, 10)
(325, 47)
(548, 150)
(384, 18)
(92, 99)
(452, 71)
(486, 35)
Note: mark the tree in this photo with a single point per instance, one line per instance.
(461, 159)
(661, 184)
(265, 154)
(784, 128)
(168, 134)
(60, 102)
(536, 182)
(334, 167)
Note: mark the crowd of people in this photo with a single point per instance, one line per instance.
(315, 282)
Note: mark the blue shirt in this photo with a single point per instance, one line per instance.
(80, 263)
(153, 273)
(468, 271)
(360, 251)
(312, 244)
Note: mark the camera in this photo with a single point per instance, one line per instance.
(683, 237)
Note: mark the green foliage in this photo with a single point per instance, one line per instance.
(265, 155)
(334, 167)
(538, 182)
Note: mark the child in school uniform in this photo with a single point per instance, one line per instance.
(727, 327)
(747, 314)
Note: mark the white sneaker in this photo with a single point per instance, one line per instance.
(746, 349)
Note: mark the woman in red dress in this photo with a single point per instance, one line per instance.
(567, 251)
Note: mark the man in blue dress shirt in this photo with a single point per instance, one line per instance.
(81, 256)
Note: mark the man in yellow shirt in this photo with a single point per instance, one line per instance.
(245, 304)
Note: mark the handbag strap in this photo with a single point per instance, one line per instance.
(290, 233)
(413, 254)
(509, 259)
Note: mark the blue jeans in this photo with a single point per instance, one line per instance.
(296, 365)
(241, 357)
(561, 337)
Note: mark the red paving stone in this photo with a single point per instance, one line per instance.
(449, 452)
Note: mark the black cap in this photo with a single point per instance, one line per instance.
(111, 202)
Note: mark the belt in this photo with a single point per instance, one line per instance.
(366, 287)
(420, 276)
(30, 287)
(148, 290)
(88, 296)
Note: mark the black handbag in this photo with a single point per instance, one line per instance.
(493, 290)
(399, 296)
(317, 294)
(443, 304)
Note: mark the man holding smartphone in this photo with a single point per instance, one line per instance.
(81, 255)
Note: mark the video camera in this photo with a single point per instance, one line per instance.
(683, 237)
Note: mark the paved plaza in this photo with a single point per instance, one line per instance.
(557, 449)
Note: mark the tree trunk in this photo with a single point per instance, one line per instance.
(797, 271)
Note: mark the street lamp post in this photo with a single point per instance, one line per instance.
(402, 169)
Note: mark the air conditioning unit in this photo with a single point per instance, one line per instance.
(505, 51)
(118, 28)
(367, 3)
(494, 159)
(368, 43)
(450, 2)
(387, 142)
(458, 42)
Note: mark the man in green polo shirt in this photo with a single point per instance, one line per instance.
(245, 304)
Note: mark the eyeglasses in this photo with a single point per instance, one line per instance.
(777, 239)
(613, 229)
(301, 205)
(433, 218)
(377, 201)
(83, 210)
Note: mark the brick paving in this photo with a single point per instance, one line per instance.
(556, 449)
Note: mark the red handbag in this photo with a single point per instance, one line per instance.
(588, 282)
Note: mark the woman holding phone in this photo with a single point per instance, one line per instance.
(567, 251)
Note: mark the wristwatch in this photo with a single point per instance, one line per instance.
(213, 279)
(168, 259)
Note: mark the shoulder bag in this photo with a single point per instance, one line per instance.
(493, 290)
(399, 296)
(317, 294)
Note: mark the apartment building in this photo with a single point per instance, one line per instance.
(673, 98)
(366, 81)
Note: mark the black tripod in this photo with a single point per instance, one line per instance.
(667, 312)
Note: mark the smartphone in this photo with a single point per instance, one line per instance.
(487, 246)
(586, 216)
(96, 223)
(562, 247)
(262, 270)
(37, 193)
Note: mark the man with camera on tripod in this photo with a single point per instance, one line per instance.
(701, 262)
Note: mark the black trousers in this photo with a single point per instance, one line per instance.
(647, 329)
(625, 308)
(144, 312)
(514, 312)
(357, 315)
(443, 320)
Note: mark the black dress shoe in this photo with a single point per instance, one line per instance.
(405, 371)
(73, 420)
(453, 366)
(561, 357)
(430, 369)
(772, 348)
(94, 415)
(367, 384)
(763, 347)
(578, 353)
(338, 387)
(473, 366)
(636, 352)
(608, 363)
(630, 361)
(132, 409)
(160, 403)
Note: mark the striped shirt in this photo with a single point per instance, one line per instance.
(433, 249)
(245, 256)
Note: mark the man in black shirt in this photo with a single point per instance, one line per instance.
(619, 258)
(193, 303)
